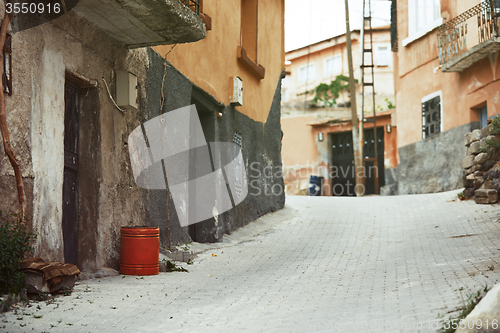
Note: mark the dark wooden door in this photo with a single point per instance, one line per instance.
(343, 176)
(369, 151)
(70, 183)
(343, 171)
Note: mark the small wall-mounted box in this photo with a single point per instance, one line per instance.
(126, 90)
(237, 97)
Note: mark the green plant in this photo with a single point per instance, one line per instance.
(495, 125)
(186, 246)
(66, 291)
(389, 104)
(16, 241)
(328, 93)
(42, 296)
(449, 325)
(171, 267)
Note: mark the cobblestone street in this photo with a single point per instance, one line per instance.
(372, 264)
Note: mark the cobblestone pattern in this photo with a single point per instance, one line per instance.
(340, 262)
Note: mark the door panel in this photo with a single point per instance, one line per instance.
(343, 171)
(369, 151)
(70, 182)
(343, 179)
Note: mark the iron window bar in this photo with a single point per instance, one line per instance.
(452, 35)
(194, 5)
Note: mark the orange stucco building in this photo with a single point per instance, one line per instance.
(212, 62)
(315, 136)
(446, 72)
(233, 77)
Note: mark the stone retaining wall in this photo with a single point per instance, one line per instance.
(481, 167)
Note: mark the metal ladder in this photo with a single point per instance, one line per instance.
(367, 68)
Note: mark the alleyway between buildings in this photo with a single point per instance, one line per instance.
(322, 264)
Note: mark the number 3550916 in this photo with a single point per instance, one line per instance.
(32, 8)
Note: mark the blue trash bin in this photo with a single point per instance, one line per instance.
(315, 185)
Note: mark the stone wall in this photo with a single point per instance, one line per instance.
(108, 196)
(481, 169)
(42, 56)
(433, 164)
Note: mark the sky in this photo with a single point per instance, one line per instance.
(310, 21)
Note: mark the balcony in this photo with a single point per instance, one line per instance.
(469, 37)
(140, 23)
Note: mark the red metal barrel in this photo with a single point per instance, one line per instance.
(139, 250)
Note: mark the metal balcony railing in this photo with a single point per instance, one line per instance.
(457, 37)
(194, 5)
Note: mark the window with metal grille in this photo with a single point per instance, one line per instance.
(237, 138)
(431, 117)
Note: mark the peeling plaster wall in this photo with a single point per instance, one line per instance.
(47, 151)
(434, 164)
(108, 197)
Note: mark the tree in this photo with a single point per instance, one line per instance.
(3, 121)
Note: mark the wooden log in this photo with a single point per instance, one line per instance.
(3, 123)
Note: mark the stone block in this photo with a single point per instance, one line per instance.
(475, 135)
(467, 139)
(490, 195)
(35, 283)
(486, 311)
(485, 131)
(474, 148)
(468, 162)
(480, 158)
(481, 201)
(478, 181)
(492, 138)
(487, 165)
(468, 192)
(470, 177)
(162, 266)
(494, 174)
(482, 143)
(469, 170)
(488, 184)
(496, 156)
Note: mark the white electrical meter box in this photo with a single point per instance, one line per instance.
(126, 90)
(237, 97)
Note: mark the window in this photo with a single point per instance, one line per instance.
(483, 117)
(333, 65)
(306, 73)
(249, 28)
(382, 57)
(431, 115)
(247, 50)
(423, 16)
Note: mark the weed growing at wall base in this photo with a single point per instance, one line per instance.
(15, 243)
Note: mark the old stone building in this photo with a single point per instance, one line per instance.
(71, 137)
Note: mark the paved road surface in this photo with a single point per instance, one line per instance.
(373, 264)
